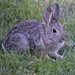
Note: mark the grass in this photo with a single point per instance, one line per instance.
(12, 63)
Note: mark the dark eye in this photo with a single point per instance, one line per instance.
(54, 30)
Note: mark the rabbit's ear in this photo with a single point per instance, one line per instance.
(55, 11)
(47, 15)
(51, 14)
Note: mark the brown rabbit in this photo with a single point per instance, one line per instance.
(48, 36)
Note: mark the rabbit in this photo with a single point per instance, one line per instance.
(48, 35)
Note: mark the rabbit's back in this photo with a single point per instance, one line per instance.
(22, 34)
(24, 27)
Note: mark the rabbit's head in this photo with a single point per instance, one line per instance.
(53, 29)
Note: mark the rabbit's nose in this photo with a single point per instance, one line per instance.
(63, 39)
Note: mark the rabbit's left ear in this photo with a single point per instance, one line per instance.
(55, 11)
(47, 14)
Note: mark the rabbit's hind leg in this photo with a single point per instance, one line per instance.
(22, 41)
(17, 42)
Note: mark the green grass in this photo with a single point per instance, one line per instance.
(12, 63)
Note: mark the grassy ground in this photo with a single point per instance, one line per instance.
(12, 11)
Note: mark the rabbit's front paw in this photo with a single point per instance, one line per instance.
(60, 56)
(55, 55)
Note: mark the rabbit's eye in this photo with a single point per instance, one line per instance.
(54, 30)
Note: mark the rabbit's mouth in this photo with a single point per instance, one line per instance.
(54, 44)
(58, 42)
(61, 43)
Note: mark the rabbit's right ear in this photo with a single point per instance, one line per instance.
(50, 14)
(47, 15)
(55, 11)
